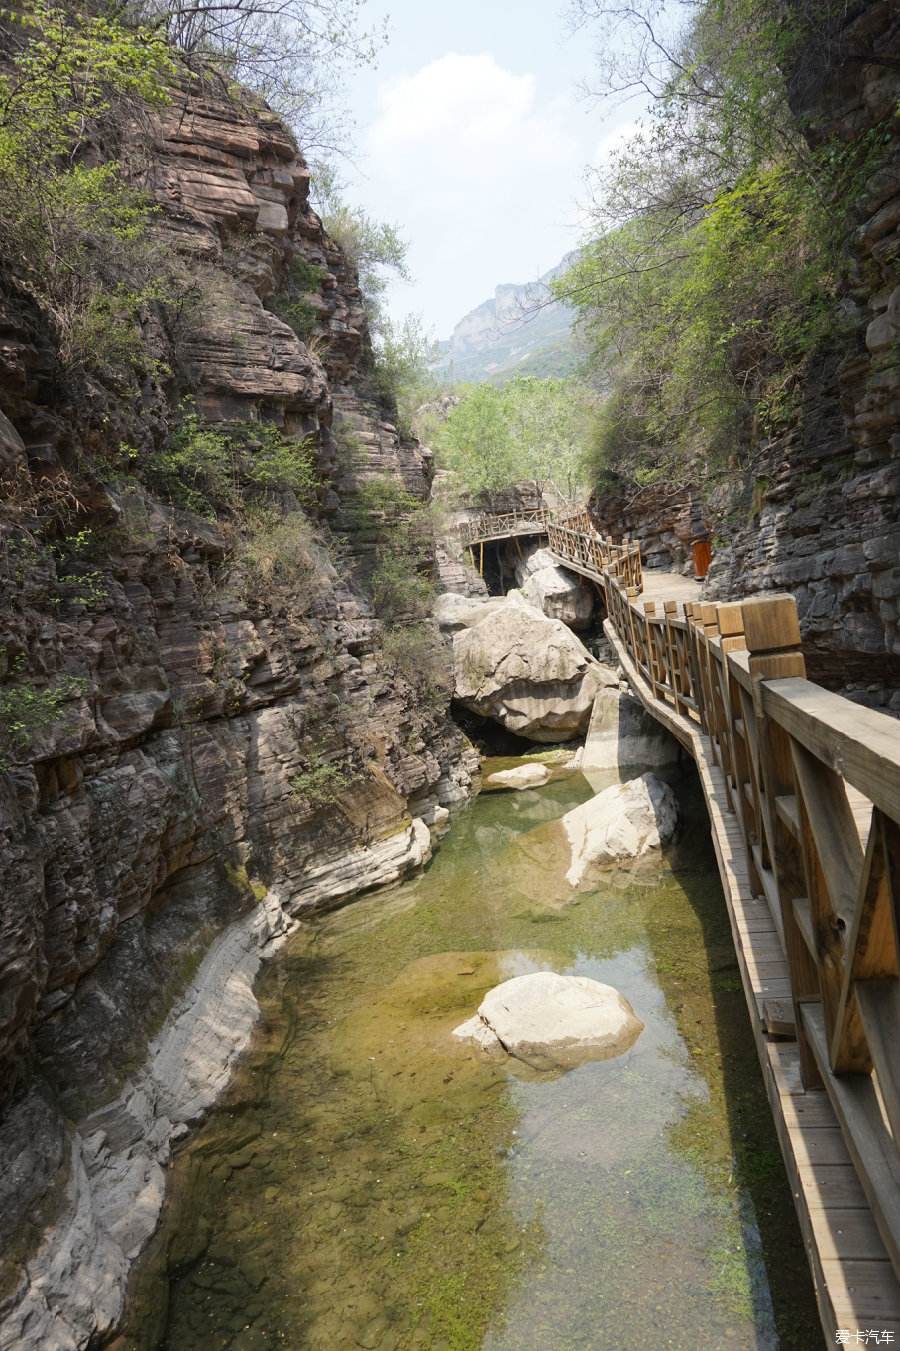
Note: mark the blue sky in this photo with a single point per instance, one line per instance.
(472, 137)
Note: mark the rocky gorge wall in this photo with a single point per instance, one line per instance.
(819, 513)
(153, 842)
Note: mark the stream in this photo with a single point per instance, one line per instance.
(370, 1182)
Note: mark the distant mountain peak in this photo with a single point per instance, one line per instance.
(521, 330)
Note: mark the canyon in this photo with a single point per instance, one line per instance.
(229, 746)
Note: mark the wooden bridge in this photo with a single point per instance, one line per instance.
(571, 537)
(803, 792)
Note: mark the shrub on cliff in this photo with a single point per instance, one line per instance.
(401, 378)
(401, 585)
(295, 53)
(719, 233)
(69, 226)
(293, 301)
(417, 653)
(279, 563)
(210, 467)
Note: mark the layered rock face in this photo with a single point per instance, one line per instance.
(168, 797)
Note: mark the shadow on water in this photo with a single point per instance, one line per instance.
(368, 1182)
(750, 1149)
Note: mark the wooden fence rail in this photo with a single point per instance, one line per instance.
(571, 536)
(498, 525)
(813, 782)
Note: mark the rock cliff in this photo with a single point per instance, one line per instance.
(819, 513)
(169, 802)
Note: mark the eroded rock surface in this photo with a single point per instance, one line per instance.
(171, 791)
(558, 593)
(624, 822)
(622, 733)
(527, 672)
(553, 1022)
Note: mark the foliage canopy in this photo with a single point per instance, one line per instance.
(719, 235)
(530, 428)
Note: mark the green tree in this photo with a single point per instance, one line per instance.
(531, 428)
(718, 240)
(477, 441)
(402, 377)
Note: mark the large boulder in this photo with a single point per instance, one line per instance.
(553, 1022)
(527, 672)
(625, 821)
(454, 611)
(556, 592)
(622, 732)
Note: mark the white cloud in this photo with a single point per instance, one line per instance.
(467, 108)
(481, 174)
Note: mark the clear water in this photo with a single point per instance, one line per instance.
(371, 1183)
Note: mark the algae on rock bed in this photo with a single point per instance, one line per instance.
(368, 1182)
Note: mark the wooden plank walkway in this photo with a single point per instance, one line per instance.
(661, 586)
(854, 1279)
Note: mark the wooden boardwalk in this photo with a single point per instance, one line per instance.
(803, 793)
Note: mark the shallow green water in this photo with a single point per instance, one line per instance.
(369, 1182)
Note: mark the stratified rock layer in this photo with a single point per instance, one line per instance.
(167, 797)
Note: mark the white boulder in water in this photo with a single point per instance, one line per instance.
(521, 776)
(625, 821)
(622, 732)
(553, 1022)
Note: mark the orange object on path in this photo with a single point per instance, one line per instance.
(702, 550)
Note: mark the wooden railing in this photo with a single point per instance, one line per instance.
(499, 524)
(571, 536)
(813, 782)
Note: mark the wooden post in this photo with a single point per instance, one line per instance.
(692, 622)
(731, 627)
(772, 636)
(731, 639)
(710, 629)
(673, 673)
(772, 633)
(649, 611)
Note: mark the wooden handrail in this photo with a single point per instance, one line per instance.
(497, 525)
(813, 783)
(571, 537)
